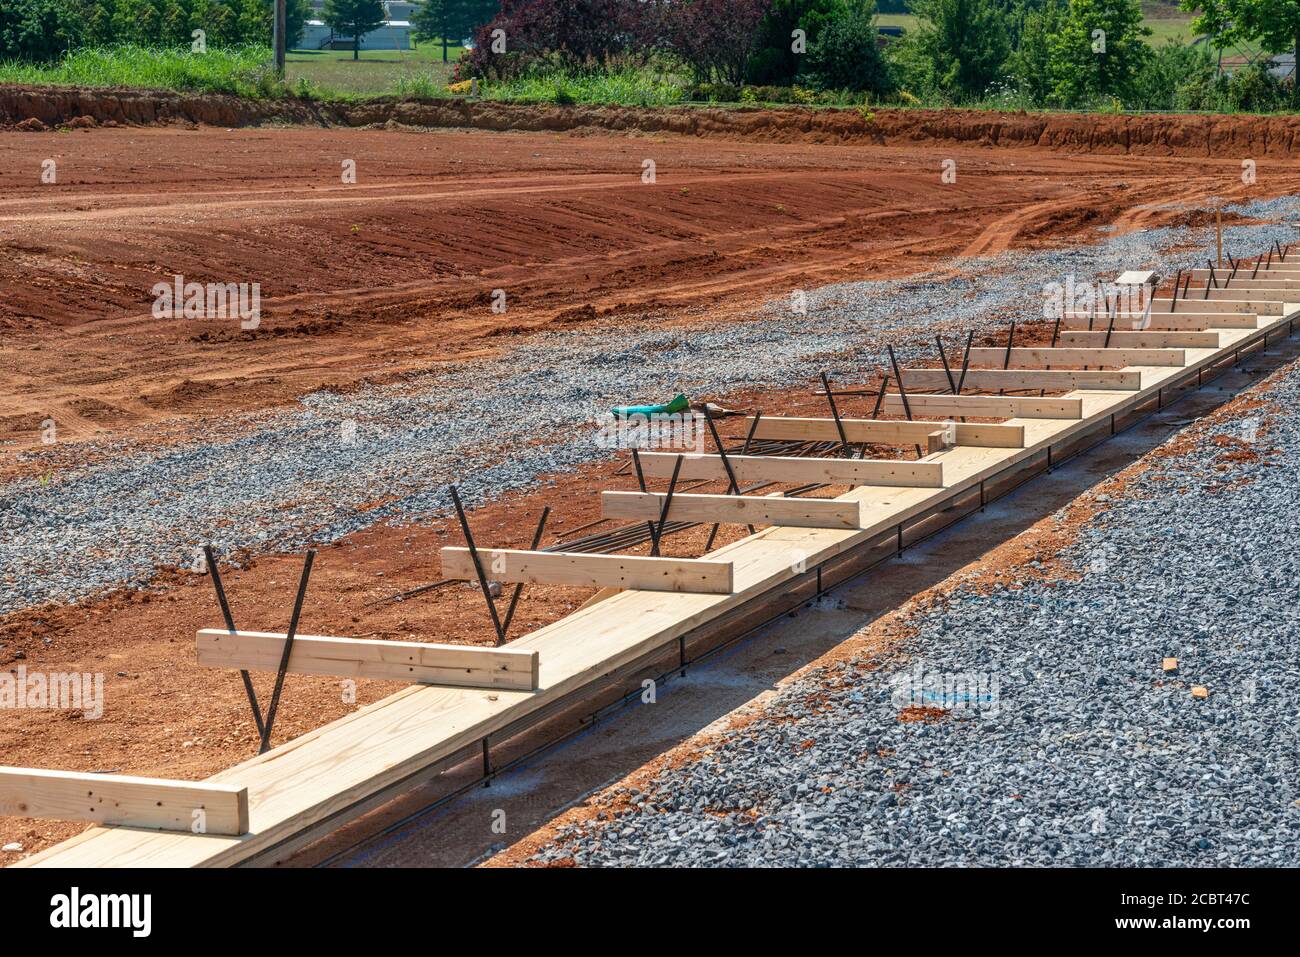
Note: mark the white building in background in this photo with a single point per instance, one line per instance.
(395, 34)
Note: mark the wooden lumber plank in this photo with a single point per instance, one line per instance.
(1189, 319)
(592, 570)
(1237, 301)
(1262, 280)
(1116, 356)
(1237, 293)
(797, 512)
(885, 431)
(1063, 380)
(466, 666)
(988, 406)
(797, 470)
(126, 800)
(1142, 340)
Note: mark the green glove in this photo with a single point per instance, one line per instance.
(679, 404)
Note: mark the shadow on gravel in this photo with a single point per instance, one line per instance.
(468, 829)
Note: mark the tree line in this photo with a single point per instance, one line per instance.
(1040, 53)
(1030, 53)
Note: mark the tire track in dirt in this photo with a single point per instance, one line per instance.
(372, 282)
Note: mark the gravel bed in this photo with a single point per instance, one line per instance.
(312, 474)
(1058, 738)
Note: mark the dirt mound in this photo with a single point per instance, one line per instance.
(1162, 134)
(77, 107)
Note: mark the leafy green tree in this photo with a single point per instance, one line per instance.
(960, 46)
(1030, 66)
(1166, 75)
(354, 18)
(38, 30)
(217, 19)
(1273, 24)
(1097, 51)
(845, 55)
(137, 21)
(775, 61)
(450, 20)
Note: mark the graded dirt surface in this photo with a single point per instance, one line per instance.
(394, 275)
(367, 282)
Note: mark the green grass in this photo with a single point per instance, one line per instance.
(1169, 28)
(414, 72)
(627, 87)
(242, 70)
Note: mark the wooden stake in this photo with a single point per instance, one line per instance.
(1218, 230)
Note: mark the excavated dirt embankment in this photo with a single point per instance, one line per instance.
(1156, 134)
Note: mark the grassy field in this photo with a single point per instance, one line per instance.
(377, 71)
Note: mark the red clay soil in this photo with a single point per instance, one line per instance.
(370, 282)
(37, 108)
(374, 281)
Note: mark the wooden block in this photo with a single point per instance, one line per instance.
(885, 432)
(1169, 664)
(1135, 277)
(123, 799)
(465, 666)
(1200, 691)
(799, 471)
(593, 571)
(1114, 356)
(987, 406)
(1060, 380)
(735, 509)
(1148, 339)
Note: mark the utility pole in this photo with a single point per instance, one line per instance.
(277, 37)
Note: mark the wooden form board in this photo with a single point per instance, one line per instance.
(1265, 273)
(795, 512)
(466, 666)
(368, 755)
(797, 470)
(885, 432)
(1190, 319)
(1142, 340)
(1235, 293)
(988, 406)
(1060, 380)
(124, 800)
(592, 571)
(1235, 301)
(1116, 356)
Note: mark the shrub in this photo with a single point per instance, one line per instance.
(716, 38)
(774, 62)
(1172, 66)
(577, 33)
(845, 56)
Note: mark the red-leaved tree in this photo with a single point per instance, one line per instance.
(577, 32)
(716, 37)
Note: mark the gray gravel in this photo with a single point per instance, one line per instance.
(280, 480)
(1063, 742)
